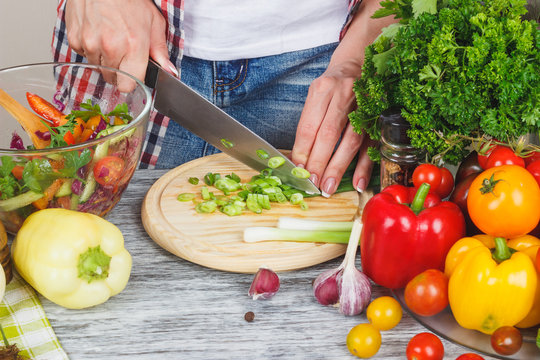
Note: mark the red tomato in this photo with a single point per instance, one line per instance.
(109, 170)
(440, 179)
(468, 166)
(425, 346)
(503, 155)
(534, 169)
(506, 340)
(469, 356)
(483, 157)
(427, 293)
(532, 158)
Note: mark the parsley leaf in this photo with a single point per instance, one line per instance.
(73, 161)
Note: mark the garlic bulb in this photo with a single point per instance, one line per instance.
(345, 286)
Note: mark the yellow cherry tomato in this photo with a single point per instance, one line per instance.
(384, 313)
(364, 340)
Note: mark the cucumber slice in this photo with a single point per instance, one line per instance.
(65, 189)
(89, 188)
(20, 201)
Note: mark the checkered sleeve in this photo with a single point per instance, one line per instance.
(353, 9)
(173, 12)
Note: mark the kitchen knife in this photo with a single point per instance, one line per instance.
(179, 102)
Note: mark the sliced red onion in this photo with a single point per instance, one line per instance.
(76, 187)
(16, 142)
(59, 104)
(104, 171)
(101, 126)
(43, 135)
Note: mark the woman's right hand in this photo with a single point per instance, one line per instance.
(121, 34)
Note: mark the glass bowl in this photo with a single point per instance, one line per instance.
(88, 175)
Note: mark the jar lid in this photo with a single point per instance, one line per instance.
(394, 127)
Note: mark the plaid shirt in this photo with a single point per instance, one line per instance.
(173, 11)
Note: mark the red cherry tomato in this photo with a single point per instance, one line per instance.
(469, 356)
(534, 169)
(427, 293)
(532, 158)
(425, 346)
(109, 170)
(483, 157)
(506, 340)
(440, 179)
(503, 155)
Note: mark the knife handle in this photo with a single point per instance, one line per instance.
(151, 76)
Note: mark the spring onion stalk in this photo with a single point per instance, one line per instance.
(267, 233)
(285, 222)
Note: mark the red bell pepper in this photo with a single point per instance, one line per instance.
(399, 241)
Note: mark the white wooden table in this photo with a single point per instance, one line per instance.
(174, 309)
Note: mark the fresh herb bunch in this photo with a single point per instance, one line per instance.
(457, 69)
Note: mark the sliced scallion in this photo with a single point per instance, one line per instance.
(300, 173)
(275, 162)
(185, 197)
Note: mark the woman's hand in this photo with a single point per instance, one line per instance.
(121, 34)
(330, 99)
(324, 121)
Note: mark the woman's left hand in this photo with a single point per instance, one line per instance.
(324, 121)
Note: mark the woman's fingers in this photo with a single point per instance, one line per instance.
(349, 146)
(118, 34)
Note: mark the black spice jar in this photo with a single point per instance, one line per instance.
(398, 157)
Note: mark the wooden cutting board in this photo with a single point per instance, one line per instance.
(215, 240)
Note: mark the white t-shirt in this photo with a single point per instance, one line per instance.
(241, 29)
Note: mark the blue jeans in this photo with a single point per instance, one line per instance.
(266, 94)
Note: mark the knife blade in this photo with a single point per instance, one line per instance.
(188, 108)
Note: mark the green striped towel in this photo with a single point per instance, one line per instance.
(25, 324)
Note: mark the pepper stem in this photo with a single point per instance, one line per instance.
(417, 204)
(501, 252)
(94, 264)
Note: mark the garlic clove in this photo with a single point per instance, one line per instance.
(354, 291)
(265, 284)
(325, 287)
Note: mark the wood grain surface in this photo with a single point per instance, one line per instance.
(216, 240)
(175, 309)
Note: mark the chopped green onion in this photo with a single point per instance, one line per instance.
(275, 162)
(210, 179)
(304, 205)
(228, 144)
(193, 180)
(262, 154)
(231, 210)
(252, 204)
(234, 177)
(227, 185)
(205, 193)
(206, 207)
(262, 233)
(296, 198)
(300, 173)
(185, 197)
(266, 172)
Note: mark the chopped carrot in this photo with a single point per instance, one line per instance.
(43, 202)
(64, 202)
(44, 108)
(18, 171)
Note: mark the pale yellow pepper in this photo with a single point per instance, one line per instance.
(74, 259)
(488, 291)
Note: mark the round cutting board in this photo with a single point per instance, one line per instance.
(215, 240)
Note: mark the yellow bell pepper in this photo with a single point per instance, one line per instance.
(529, 245)
(74, 259)
(487, 291)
